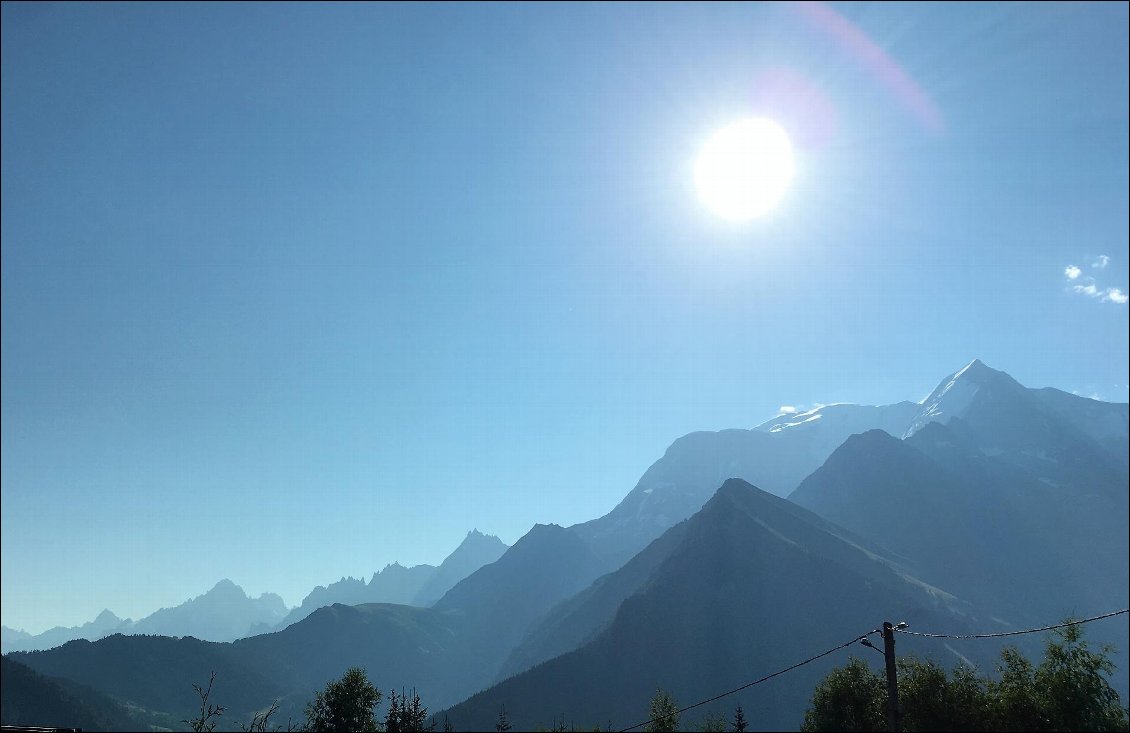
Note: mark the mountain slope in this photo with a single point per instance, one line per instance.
(577, 619)
(475, 551)
(745, 591)
(497, 603)
(399, 646)
(32, 700)
(156, 673)
(1027, 534)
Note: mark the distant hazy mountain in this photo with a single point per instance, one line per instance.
(222, 614)
(447, 652)
(419, 585)
(776, 455)
(749, 585)
(32, 700)
(11, 637)
(781, 452)
(394, 584)
(475, 551)
(104, 624)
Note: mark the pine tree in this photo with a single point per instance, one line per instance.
(664, 713)
(739, 720)
(412, 713)
(392, 717)
(503, 723)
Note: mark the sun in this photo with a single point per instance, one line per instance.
(744, 169)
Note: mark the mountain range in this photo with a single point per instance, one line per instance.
(987, 506)
(226, 612)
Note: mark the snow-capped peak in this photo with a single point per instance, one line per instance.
(953, 396)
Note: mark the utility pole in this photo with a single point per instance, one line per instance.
(893, 723)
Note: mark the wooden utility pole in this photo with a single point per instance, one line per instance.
(893, 723)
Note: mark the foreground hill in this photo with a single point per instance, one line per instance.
(156, 673)
(32, 700)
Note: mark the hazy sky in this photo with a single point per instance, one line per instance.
(294, 291)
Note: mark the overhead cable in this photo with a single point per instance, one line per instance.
(1013, 633)
(766, 678)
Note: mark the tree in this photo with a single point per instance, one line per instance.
(345, 705)
(208, 713)
(261, 722)
(664, 712)
(408, 716)
(850, 698)
(503, 723)
(1069, 690)
(739, 724)
(261, 719)
(392, 717)
(713, 723)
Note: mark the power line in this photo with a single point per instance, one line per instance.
(766, 678)
(900, 629)
(1013, 633)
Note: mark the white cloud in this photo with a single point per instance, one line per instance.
(788, 410)
(1091, 288)
(1115, 295)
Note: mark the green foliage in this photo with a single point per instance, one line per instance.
(713, 723)
(345, 705)
(663, 712)
(1067, 691)
(1072, 689)
(931, 701)
(850, 698)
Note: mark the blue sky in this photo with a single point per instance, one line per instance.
(294, 291)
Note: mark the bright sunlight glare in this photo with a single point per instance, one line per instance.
(744, 169)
